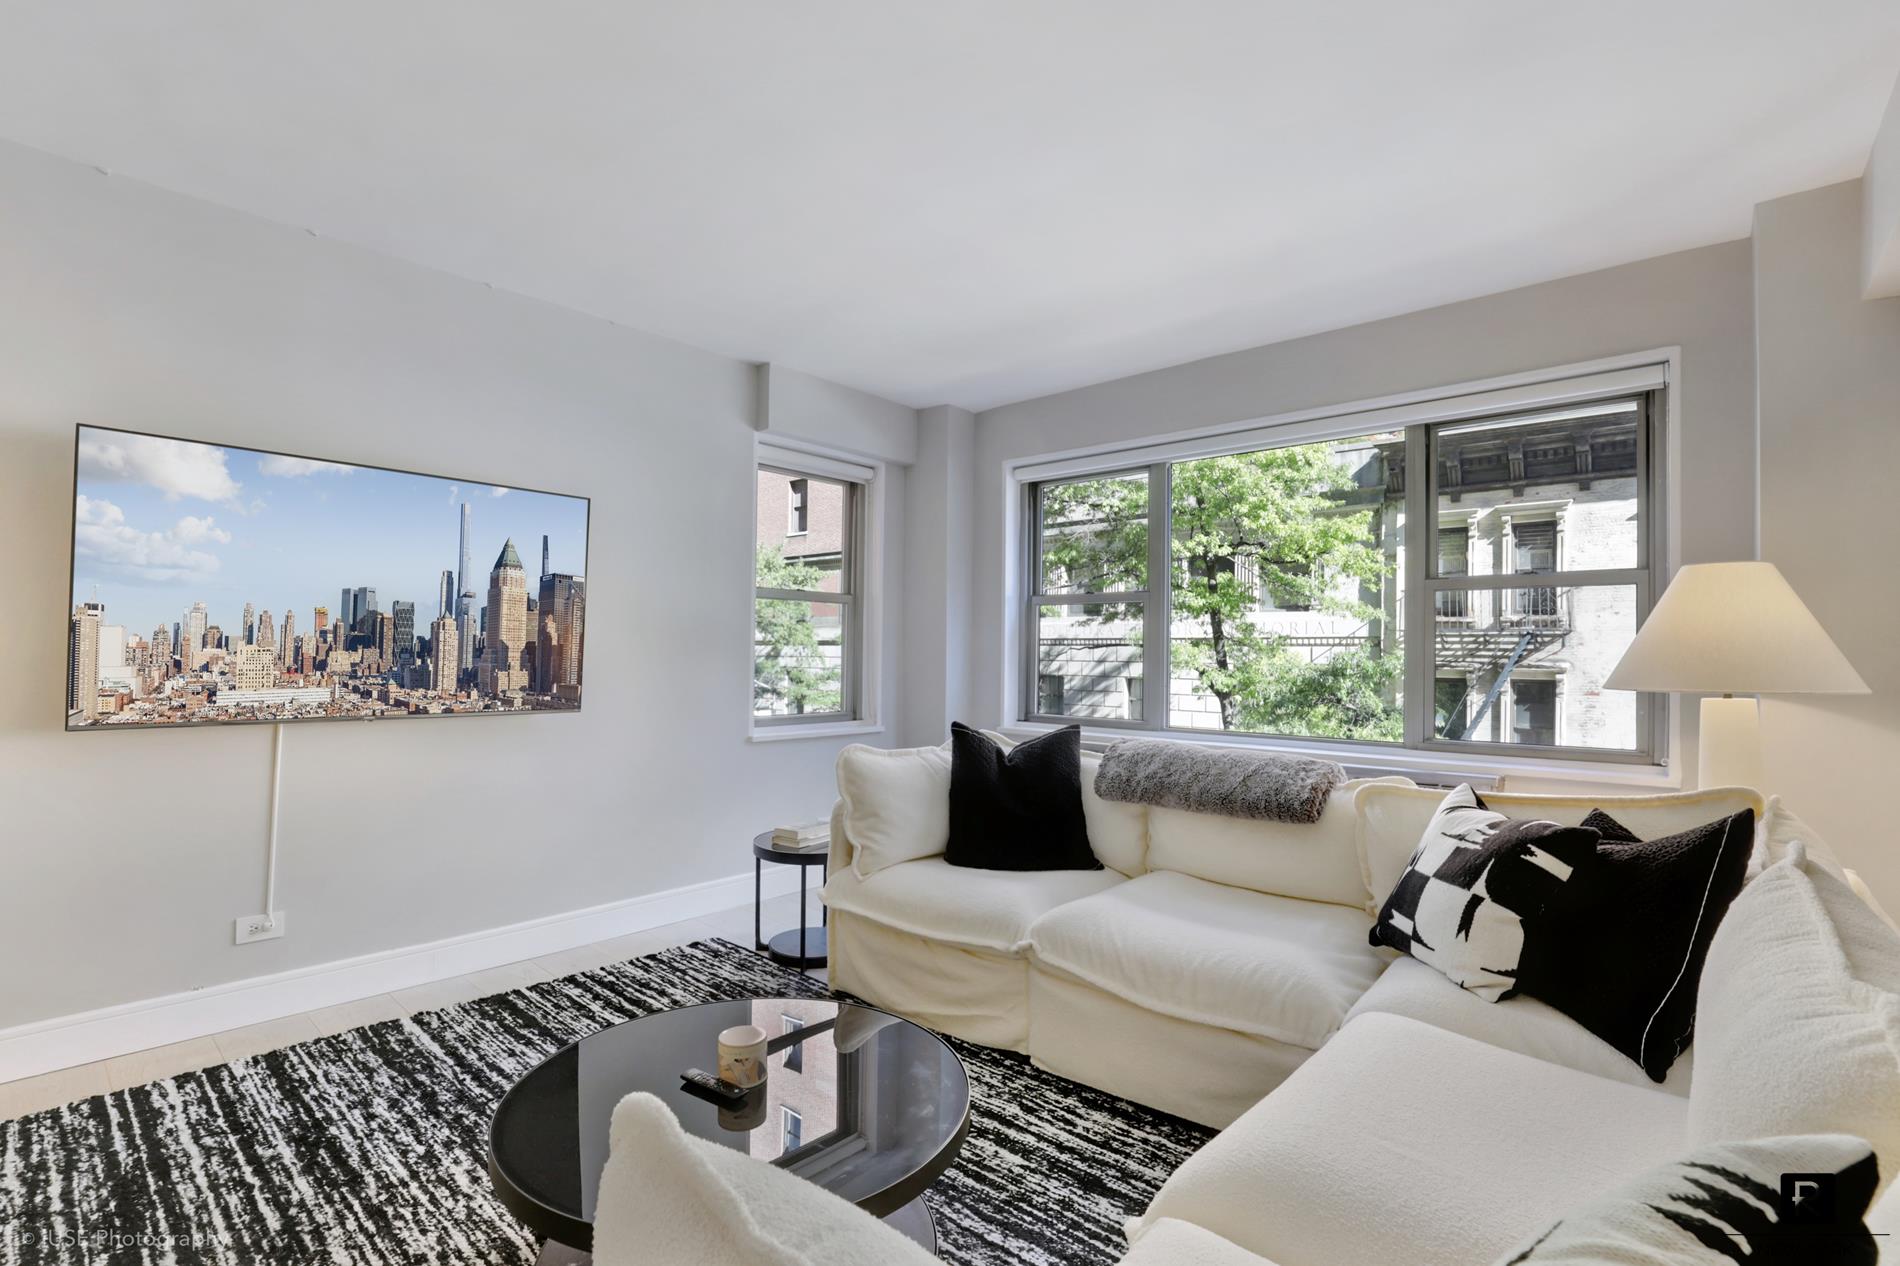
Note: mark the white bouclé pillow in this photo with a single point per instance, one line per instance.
(895, 802)
(1798, 1018)
(1722, 1204)
(1117, 832)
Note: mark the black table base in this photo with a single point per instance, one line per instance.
(799, 947)
(804, 946)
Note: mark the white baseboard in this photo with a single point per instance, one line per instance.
(66, 1041)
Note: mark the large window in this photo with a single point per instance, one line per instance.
(1465, 584)
(806, 608)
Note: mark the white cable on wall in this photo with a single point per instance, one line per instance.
(276, 796)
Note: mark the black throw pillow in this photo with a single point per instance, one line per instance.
(1474, 901)
(1020, 809)
(1628, 943)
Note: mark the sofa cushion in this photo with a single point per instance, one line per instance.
(1523, 1024)
(987, 909)
(1317, 861)
(1172, 1242)
(1392, 819)
(1401, 1142)
(1117, 832)
(1800, 1016)
(1776, 829)
(1249, 961)
(894, 804)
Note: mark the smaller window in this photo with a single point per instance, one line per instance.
(1454, 559)
(1535, 545)
(795, 1053)
(1452, 700)
(799, 501)
(1049, 692)
(806, 623)
(794, 1131)
(1534, 712)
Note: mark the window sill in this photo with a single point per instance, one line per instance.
(1401, 760)
(816, 730)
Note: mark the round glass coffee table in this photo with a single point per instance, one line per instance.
(867, 1105)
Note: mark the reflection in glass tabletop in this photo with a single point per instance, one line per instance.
(865, 1104)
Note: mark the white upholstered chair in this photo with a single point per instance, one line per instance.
(668, 1198)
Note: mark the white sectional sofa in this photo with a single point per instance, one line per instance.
(1218, 969)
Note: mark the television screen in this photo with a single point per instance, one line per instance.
(214, 584)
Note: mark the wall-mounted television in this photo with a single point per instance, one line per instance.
(214, 585)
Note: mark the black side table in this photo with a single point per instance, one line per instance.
(802, 946)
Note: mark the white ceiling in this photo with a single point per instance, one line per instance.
(977, 201)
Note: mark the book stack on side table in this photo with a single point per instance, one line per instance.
(805, 837)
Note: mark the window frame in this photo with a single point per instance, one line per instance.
(850, 597)
(1420, 592)
(1420, 580)
(1154, 651)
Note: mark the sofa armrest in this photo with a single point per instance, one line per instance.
(1861, 890)
(841, 852)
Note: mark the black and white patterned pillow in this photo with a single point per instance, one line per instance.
(1798, 1200)
(1475, 891)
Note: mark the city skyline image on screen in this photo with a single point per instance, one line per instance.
(214, 584)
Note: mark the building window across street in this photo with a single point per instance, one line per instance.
(795, 1053)
(799, 521)
(1465, 583)
(794, 1131)
(807, 612)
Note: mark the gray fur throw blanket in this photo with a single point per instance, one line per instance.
(1234, 783)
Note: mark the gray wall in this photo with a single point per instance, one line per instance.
(129, 854)
(1830, 447)
(1699, 300)
(1880, 209)
(937, 587)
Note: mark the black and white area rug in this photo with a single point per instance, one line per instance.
(369, 1148)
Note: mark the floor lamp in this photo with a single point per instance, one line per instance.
(1727, 629)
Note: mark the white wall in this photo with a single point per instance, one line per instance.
(127, 855)
(1830, 446)
(1880, 209)
(1698, 300)
(937, 588)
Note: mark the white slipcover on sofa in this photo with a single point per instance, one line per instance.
(1235, 948)
(1373, 1111)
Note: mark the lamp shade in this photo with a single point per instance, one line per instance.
(1733, 628)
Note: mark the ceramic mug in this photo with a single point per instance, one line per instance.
(742, 1055)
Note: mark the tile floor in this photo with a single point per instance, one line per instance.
(63, 1086)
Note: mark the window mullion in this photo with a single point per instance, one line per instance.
(1421, 535)
(1157, 617)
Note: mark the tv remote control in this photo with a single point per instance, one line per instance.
(716, 1088)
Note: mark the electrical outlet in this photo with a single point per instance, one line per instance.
(260, 927)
